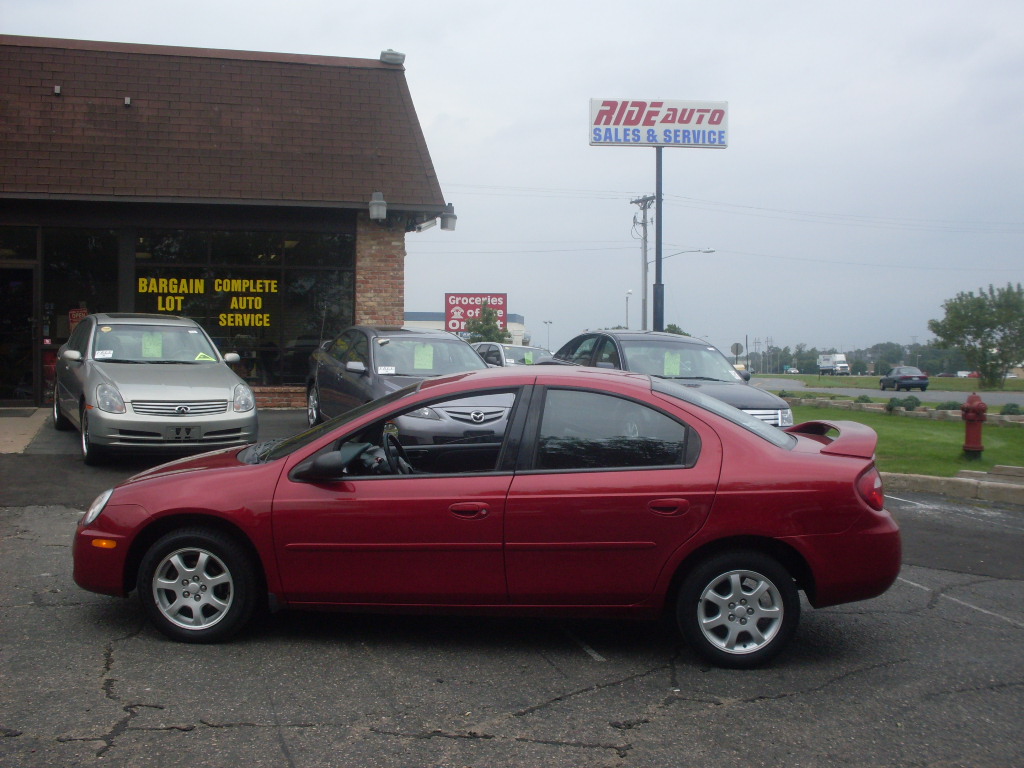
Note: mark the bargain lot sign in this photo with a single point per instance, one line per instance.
(634, 123)
(460, 308)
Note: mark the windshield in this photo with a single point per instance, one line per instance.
(677, 361)
(152, 344)
(401, 356)
(525, 355)
(742, 418)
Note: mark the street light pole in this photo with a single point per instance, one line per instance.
(548, 324)
(645, 204)
(628, 294)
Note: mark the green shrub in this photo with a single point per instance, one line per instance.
(893, 404)
(907, 403)
(949, 405)
(1010, 409)
(863, 399)
(910, 402)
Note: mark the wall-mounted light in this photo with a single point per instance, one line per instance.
(392, 57)
(427, 224)
(127, 101)
(448, 218)
(378, 208)
(56, 90)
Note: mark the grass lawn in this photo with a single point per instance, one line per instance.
(926, 447)
(935, 384)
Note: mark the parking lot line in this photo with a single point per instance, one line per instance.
(963, 603)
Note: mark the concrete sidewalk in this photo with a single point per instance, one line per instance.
(18, 427)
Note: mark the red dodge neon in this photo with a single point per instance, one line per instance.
(602, 493)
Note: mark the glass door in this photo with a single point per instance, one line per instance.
(17, 372)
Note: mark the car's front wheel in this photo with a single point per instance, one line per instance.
(198, 585)
(738, 609)
(313, 405)
(92, 454)
(60, 421)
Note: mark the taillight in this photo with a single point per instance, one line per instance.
(869, 486)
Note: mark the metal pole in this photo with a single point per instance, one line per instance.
(659, 288)
(644, 203)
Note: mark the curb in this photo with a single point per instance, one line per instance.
(959, 487)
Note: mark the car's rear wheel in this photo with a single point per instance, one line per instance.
(313, 406)
(60, 421)
(738, 609)
(198, 585)
(92, 454)
(881, 385)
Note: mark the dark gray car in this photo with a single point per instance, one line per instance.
(367, 362)
(670, 356)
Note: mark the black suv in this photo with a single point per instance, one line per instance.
(684, 358)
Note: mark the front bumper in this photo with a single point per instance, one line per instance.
(162, 433)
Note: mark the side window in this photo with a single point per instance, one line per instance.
(581, 355)
(454, 436)
(607, 355)
(80, 336)
(358, 350)
(590, 430)
(339, 349)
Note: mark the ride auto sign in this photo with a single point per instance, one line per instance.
(460, 308)
(634, 123)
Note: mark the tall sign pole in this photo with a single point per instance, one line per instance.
(658, 323)
(658, 124)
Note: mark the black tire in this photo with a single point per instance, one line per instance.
(738, 609)
(198, 585)
(92, 454)
(881, 385)
(60, 422)
(313, 415)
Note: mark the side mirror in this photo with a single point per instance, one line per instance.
(332, 465)
(71, 355)
(232, 357)
(354, 366)
(745, 375)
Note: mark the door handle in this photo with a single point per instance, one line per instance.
(669, 507)
(471, 510)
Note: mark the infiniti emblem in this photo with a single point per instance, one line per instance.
(477, 417)
(182, 410)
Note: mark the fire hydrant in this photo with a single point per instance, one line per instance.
(973, 414)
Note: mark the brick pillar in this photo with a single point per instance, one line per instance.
(380, 273)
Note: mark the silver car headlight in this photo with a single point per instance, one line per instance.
(109, 399)
(97, 506)
(243, 399)
(786, 417)
(424, 413)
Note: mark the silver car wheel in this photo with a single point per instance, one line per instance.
(193, 588)
(740, 611)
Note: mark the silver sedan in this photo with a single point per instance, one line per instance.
(153, 383)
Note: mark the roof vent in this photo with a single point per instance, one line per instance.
(392, 57)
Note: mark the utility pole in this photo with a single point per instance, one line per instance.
(645, 204)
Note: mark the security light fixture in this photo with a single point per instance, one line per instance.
(425, 224)
(378, 208)
(448, 218)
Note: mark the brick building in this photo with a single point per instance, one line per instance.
(233, 187)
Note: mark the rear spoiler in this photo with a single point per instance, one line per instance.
(855, 439)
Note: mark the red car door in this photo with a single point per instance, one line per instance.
(615, 489)
(401, 540)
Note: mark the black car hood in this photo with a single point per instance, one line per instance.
(737, 394)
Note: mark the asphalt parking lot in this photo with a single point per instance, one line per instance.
(929, 674)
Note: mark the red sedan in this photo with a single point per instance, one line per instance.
(602, 493)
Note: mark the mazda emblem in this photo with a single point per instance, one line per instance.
(477, 417)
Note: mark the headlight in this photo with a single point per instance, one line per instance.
(786, 417)
(424, 413)
(109, 399)
(97, 506)
(243, 399)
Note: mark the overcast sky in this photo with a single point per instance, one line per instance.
(875, 166)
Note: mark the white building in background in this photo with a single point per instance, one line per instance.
(435, 321)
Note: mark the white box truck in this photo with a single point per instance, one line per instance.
(833, 365)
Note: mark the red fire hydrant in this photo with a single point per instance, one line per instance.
(973, 414)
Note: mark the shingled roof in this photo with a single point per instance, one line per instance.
(110, 121)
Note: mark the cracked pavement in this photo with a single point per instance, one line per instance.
(929, 674)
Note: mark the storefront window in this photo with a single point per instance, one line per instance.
(270, 297)
(79, 276)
